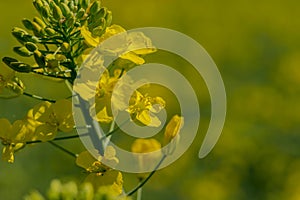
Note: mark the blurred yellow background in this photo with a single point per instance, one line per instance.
(256, 46)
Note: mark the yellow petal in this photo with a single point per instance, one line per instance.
(8, 154)
(133, 58)
(103, 117)
(89, 39)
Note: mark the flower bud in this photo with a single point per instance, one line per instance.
(65, 47)
(19, 34)
(37, 4)
(45, 11)
(31, 46)
(71, 5)
(80, 13)
(85, 3)
(50, 31)
(39, 58)
(108, 18)
(70, 21)
(16, 65)
(39, 21)
(65, 10)
(101, 13)
(173, 128)
(95, 7)
(28, 24)
(20, 67)
(98, 31)
(22, 51)
(37, 29)
(172, 134)
(57, 13)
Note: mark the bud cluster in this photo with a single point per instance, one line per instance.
(54, 38)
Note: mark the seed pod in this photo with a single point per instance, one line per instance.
(31, 46)
(28, 24)
(39, 21)
(65, 10)
(22, 51)
(108, 18)
(65, 47)
(50, 31)
(95, 7)
(39, 58)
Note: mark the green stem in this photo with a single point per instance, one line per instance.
(63, 149)
(50, 75)
(142, 183)
(38, 97)
(139, 194)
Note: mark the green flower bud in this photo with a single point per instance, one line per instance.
(39, 58)
(37, 29)
(8, 60)
(19, 34)
(95, 7)
(31, 46)
(108, 18)
(84, 3)
(71, 5)
(22, 51)
(65, 47)
(30, 38)
(17, 86)
(50, 31)
(98, 31)
(57, 13)
(16, 65)
(65, 10)
(38, 4)
(70, 22)
(39, 21)
(28, 24)
(80, 13)
(20, 67)
(45, 11)
(101, 13)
